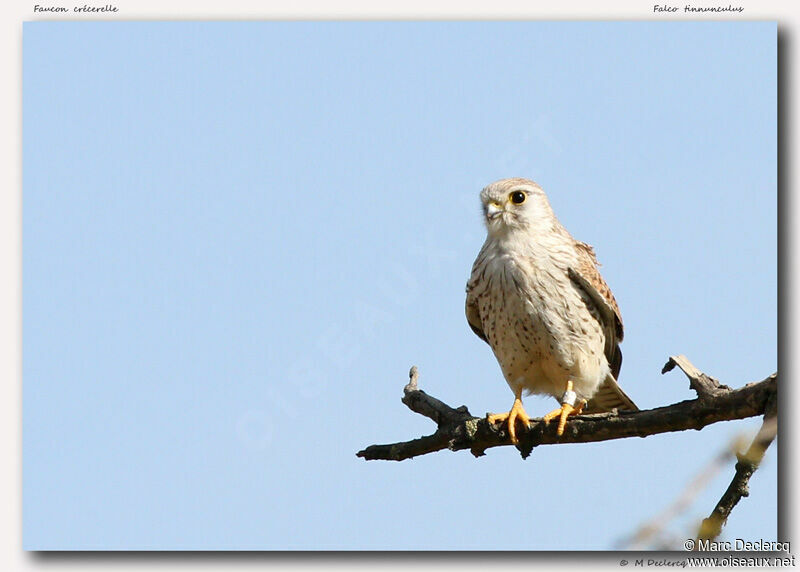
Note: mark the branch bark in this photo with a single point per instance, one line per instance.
(457, 429)
(746, 465)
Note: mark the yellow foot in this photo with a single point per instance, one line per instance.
(565, 410)
(517, 413)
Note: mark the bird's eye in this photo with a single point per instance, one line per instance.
(517, 197)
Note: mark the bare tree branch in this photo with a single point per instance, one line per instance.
(457, 429)
(745, 467)
(653, 532)
(706, 386)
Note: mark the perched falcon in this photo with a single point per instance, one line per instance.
(536, 297)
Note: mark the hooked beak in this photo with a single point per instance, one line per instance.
(493, 210)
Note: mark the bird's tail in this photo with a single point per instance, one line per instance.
(609, 396)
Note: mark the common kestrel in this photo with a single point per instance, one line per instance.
(536, 297)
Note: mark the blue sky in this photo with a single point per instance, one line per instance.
(238, 237)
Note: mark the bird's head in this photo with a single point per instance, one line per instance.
(514, 204)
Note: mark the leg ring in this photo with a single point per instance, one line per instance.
(569, 398)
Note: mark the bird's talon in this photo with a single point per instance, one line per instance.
(517, 413)
(567, 408)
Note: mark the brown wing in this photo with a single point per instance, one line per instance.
(474, 320)
(587, 277)
(476, 284)
(473, 315)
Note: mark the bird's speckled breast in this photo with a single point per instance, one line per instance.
(539, 327)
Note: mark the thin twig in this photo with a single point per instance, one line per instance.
(706, 386)
(652, 531)
(746, 465)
